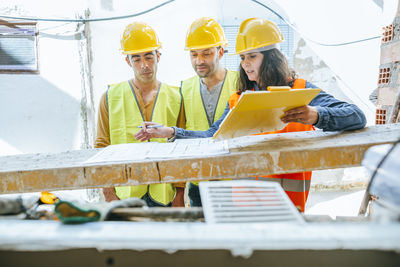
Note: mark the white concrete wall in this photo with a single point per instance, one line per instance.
(41, 112)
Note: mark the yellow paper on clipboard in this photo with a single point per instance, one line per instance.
(261, 111)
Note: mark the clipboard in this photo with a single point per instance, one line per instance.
(261, 111)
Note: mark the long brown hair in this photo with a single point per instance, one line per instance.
(274, 71)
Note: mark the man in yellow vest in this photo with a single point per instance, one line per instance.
(205, 95)
(127, 104)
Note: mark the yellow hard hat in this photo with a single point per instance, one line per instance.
(139, 37)
(205, 33)
(255, 33)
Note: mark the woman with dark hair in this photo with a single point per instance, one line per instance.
(263, 65)
(274, 70)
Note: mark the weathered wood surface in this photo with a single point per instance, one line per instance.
(249, 156)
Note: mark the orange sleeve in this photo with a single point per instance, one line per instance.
(103, 127)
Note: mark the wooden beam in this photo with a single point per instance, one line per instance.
(249, 156)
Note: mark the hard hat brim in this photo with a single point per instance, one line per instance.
(254, 48)
(148, 49)
(223, 44)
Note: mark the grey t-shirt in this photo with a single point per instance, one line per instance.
(210, 99)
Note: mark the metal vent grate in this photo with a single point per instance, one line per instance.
(246, 201)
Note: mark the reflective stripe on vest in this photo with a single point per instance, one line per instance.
(125, 115)
(196, 116)
(296, 185)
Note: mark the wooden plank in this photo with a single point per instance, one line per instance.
(39, 172)
(283, 153)
(249, 156)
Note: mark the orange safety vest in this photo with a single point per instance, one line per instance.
(296, 185)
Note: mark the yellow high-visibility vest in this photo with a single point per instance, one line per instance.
(196, 116)
(125, 115)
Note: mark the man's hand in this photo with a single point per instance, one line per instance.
(179, 198)
(160, 132)
(305, 115)
(109, 194)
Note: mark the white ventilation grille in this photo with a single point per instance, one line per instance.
(246, 201)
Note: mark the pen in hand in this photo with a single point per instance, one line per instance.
(152, 126)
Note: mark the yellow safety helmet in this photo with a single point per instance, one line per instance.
(205, 33)
(139, 37)
(255, 33)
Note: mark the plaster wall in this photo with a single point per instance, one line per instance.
(42, 112)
